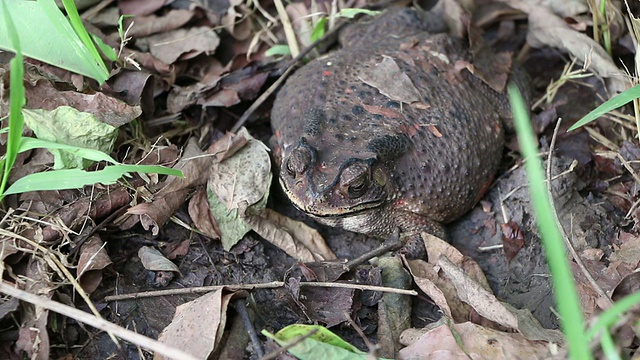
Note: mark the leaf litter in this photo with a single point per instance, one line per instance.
(201, 78)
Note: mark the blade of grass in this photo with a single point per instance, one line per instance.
(16, 101)
(75, 178)
(85, 153)
(565, 291)
(613, 314)
(76, 23)
(611, 104)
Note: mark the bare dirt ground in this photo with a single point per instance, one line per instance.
(146, 234)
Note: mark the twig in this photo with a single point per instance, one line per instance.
(573, 252)
(373, 348)
(98, 323)
(271, 285)
(241, 308)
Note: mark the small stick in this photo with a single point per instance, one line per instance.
(96, 322)
(271, 285)
(241, 308)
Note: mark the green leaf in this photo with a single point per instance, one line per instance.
(75, 178)
(323, 344)
(66, 125)
(611, 104)
(46, 35)
(232, 227)
(318, 31)
(278, 50)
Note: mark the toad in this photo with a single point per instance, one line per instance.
(390, 131)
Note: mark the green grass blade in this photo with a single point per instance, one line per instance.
(613, 314)
(76, 178)
(611, 104)
(104, 48)
(78, 26)
(564, 286)
(16, 102)
(85, 153)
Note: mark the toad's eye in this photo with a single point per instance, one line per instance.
(359, 187)
(354, 180)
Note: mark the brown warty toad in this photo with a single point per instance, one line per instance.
(390, 131)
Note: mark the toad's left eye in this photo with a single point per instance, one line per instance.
(358, 187)
(354, 180)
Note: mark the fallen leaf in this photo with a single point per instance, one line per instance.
(168, 47)
(512, 238)
(198, 319)
(93, 259)
(33, 336)
(200, 213)
(482, 301)
(236, 183)
(152, 24)
(106, 109)
(153, 215)
(489, 66)
(328, 306)
(136, 88)
(69, 126)
(232, 225)
(479, 343)
(244, 177)
(434, 130)
(391, 81)
(135, 7)
(426, 278)
(297, 239)
(547, 29)
(153, 260)
(394, 310)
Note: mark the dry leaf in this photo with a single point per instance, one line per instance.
(294, 237)
(391, 81)
(482, 301)
(201, 215)
(106, 109)
(153, 260)
(479, 343)
(244, 177)
(93, 258)
(168, 47)
(198, 319)
(547, 29)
